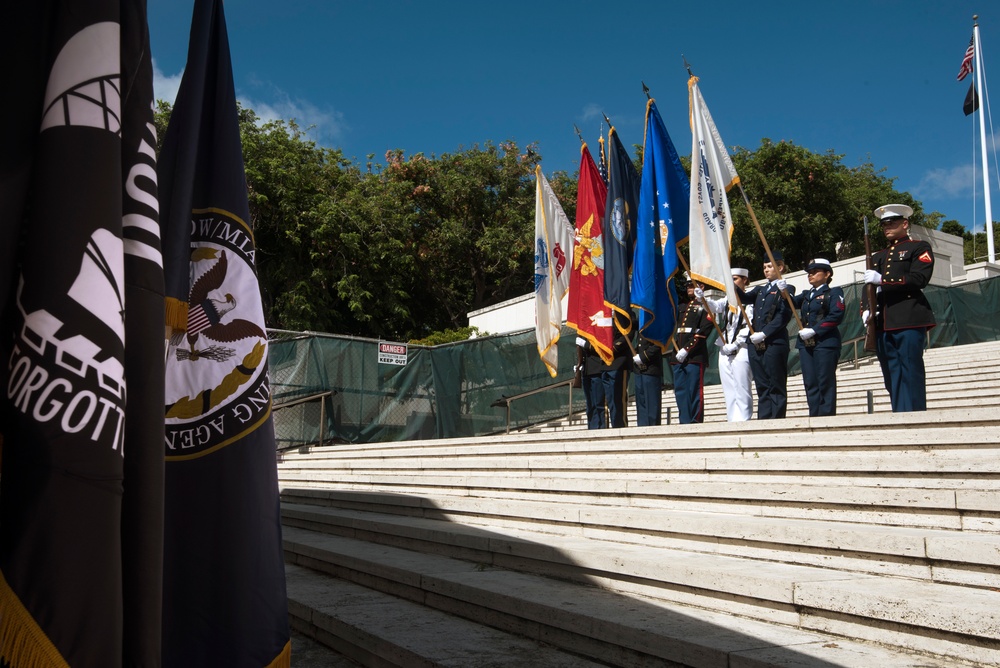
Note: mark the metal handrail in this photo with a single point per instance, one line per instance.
(508, 400)
(321, 396)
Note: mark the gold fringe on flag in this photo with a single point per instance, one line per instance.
(23, 644)
(176, 313)
(283, 660)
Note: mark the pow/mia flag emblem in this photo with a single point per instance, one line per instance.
(222, 355)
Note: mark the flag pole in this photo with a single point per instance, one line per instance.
(982, 138)
(767, 249)
(704, 302)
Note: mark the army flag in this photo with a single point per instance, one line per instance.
(553, 240)
(585, 310)
(713, 175)
(662, 224)
(81, 336)
(224, 581)
(619, 228)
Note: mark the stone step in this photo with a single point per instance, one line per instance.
(376, 628)
(617, 628)
(947, 556)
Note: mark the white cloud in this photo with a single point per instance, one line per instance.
(165, 87)
(955, 182)
(591, 111)
(322, 125)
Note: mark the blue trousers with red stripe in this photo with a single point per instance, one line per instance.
(689, 385)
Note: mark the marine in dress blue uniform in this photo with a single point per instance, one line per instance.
(902, 313)
(771, 314)
(822, 311)
(647, 368)
(690, 360)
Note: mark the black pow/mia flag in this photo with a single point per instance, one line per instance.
(81, 338)
(224, 573)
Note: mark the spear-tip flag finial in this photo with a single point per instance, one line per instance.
(578, 134)
(645, 89)
(687, 65)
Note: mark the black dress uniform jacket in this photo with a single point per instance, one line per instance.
(906, 267)
(650, 358)
(692, 330)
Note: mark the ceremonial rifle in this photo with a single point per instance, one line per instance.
(870, 294)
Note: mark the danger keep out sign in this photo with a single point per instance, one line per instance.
(392, 353)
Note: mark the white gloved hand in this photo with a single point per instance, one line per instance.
(864, 317)
(872, 276)
(807, 333)
(635, 358)
(582, 342)
(730, 349)
(699, 293)
(681, 356)
(757, 337)
(781, 284)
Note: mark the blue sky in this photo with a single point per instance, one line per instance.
(867, 78)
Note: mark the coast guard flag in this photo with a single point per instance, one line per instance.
(619, 228)
(553, 240)
(585, 311)
(713, 175)
(81, 338)
(224, 578)
(663, 222)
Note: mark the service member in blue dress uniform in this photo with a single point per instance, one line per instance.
(647, 372)
(822, 312)
(769, 340)
(902, 313)
(691, 359)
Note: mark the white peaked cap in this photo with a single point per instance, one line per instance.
(893, 211)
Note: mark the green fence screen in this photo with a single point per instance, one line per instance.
(450, 390)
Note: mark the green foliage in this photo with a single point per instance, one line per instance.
(808, 205)
(447, 336)
(976, 247)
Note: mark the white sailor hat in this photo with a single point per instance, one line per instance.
(739, 271)
(890, 211)
(819, 264)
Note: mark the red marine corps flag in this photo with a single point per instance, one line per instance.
(81, 338)
(585, 310)
(223, 572)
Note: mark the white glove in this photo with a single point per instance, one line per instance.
(582, 342)
(807, 333)
(681, 356)
(635, 358)
(864, 317)
(699, 293)
(872, 276)
(757, 337)
(781, 284)
(730, 349)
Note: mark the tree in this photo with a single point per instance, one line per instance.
(808, 204)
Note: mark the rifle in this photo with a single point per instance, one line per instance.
(870, 294)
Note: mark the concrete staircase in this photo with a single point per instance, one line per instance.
(856, 540)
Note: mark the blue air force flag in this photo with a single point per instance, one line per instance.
(663, 224)
(553, 240)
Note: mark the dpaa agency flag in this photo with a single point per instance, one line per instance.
(553, 239)
(81, 338)
(619, 231)
(585, 310)
(663, 220)
(713, 174)
(224, 582)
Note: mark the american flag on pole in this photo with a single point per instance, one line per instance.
(966, 67)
